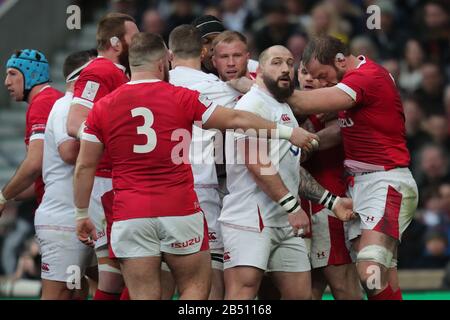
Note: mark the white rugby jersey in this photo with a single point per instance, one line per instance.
(201, 153)
(246, 204)
(57, 208)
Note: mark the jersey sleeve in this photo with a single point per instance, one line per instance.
(93, 130)
(89, 88)
(355, 85)
(59, 128)
(197, 107)
(37, 121)
(257, 106)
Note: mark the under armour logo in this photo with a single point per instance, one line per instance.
(320, 255)
(370, 218)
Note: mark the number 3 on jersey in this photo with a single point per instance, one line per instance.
(145, 129)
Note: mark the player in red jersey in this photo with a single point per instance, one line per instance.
(27, 79)
(155, 206)
(97, 79)
(330, 258)
(376, 157)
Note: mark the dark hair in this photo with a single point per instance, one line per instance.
(324, 49)
(185, 41)
(112, 25)
(77, 60)
(146, 47)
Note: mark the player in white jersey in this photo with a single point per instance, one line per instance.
(64, 257)
(186, 45)
(261, 216)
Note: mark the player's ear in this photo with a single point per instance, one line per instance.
(115, 43)
(340, 61)
(170, 56)
(204, 53)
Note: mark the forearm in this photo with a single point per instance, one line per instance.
(319, 101)
(24, 177)
(309, 188)
(83, 183)
(271, 185)
(330, 136)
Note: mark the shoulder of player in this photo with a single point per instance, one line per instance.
(46, 98)
(102, 69)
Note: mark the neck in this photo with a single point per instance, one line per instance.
(70, 86)
(145, 75)
(260, 83)
(110, 55)
(353, 62)
(35, 91)
(194, 63)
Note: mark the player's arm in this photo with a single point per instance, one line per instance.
(89, 88)
(320, 100)
(77, 115)
(268, 180)
(29, 170)
(223, 118)
(86, 165)
(68, 151)
(310, 189)
(330, 136)
(83, 182)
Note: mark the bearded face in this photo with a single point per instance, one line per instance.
(281, 87)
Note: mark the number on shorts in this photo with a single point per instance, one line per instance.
(145, 129)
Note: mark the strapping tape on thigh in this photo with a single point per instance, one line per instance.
(375, 253)
(108, 268)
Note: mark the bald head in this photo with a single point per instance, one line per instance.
(272, 52)
(146, 48)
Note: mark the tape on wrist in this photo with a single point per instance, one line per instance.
(2, 198)
(284, 132)
(329, 200)
(81, 214)
(289, 203)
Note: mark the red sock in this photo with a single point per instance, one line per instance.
(397, 295)
(101, 295)
(125, 294)
(386, 294)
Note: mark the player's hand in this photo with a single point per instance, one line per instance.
(299, 222)
(86, 232)
(344, 209)
(242, 84)
(304, 140)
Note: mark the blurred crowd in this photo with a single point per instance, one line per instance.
(412, 42)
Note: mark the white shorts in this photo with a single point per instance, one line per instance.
(210, 203)
(148, 237)
(271, 250)
(63, 256)
(328, 242)
(96, 210)
(385, 201)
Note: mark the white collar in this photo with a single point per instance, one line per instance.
(45, 87)
(121, 67)
(210, 76)
(362, 59)
(143, 81)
